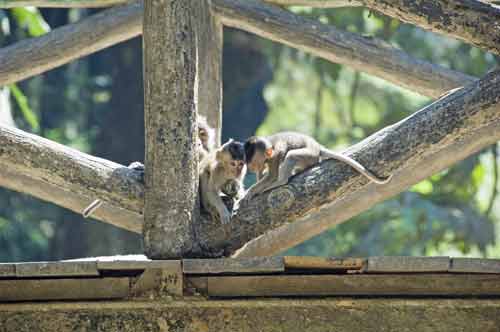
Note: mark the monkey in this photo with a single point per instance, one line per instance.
(205, 139)
(233, 188)
(205, 143)
(227, 163)
(286, 152)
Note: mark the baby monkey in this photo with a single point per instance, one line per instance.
(286, 152)
(222, 166)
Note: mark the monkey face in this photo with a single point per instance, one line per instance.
(258, 162)
(236, 167)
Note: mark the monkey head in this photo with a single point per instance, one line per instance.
(257, 151)
(206, 134)
(232, 156)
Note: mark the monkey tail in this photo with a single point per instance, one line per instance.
(91, 208)
(328, 154)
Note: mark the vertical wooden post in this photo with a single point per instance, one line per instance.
(171, 179)
(209, 85)
(182, 76)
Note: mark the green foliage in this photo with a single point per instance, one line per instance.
(28, 114)
(30, 19)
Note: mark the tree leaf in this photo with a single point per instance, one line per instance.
(22, 102)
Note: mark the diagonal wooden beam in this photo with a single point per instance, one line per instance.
(69, 178)
(472, 21)
(365, 54)
(60, 3)
(426, 142)
(33, 56)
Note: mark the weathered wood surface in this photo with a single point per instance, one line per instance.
(293, 315)
(158, 282)
(257, 265)
(395, 148)
(316, 3)
(407, 264)
(65, 176)
(209, 71)
(365, 54)
(170, 109)
(56, 269)
(475, 265)
(60, 3)
(355, 284)
(63, 289)
(7, 270)
(33, 56)
(474, 22)
(138, 265)
(321, 263)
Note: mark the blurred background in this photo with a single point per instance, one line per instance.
(96, 105)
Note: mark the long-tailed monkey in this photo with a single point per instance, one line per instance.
(288, 152)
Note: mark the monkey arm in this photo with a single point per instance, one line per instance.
(210, 198)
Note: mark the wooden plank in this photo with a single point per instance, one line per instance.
(321, 263)
(64, 289)
(357, 284)
(233, 265)
(156, 282)
(195, 285)
(138, 265)
(475, 265)
(56, 269)
(407, 264)
(7, 270)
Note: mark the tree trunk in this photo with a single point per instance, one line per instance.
(170, 67)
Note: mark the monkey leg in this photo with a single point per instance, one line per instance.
(299, 159)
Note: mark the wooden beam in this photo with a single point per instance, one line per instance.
(471, 21)
(68, 169)
(316, 3)
(407, 264)
(427, 141)
(321, 263)
(16, 179)
(170, 111)
(64, 289)
(365, 54)
(56, 269)
(352, 285)
(62, 45)
(257, 265)
(7, 270)
(474, 265)
(271, 315)
(60, 3)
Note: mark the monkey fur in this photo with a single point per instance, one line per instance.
(224, 164)
(286, 152)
